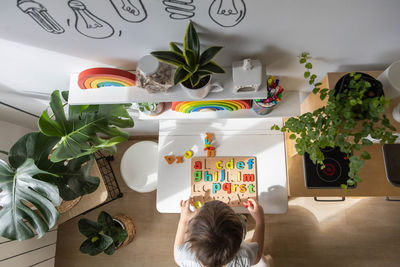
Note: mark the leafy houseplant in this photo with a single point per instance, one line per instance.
(151, 108)
(105, 235)
(44, 168)
(346, 121)
(194, 69)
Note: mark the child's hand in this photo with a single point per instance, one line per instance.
(256, 210)
(186, 213)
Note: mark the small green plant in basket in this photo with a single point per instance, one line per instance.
(354, 112)
(105, 235)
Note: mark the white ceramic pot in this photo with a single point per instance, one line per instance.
(390, 80)
(202, 92)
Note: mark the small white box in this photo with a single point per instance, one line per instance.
(247, 75)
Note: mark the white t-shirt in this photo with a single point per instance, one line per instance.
(245, 257)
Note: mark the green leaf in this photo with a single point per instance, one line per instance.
(366, 142)
(307, 74)
(212, 67)
(292, 136)
(191, 40)
(110, 250)
(105, 220)
(209, 54)
(101, 244)
(194, 80)
(190, 58)
(103, 235)
(302, 60)
(181, 75)
(49, 126)
(88, 228)
(174, 48)
(169, 57)
(65, 95)
(308, 65)
(73, 180)
(365, 155)
(19, 187)
(82, 127)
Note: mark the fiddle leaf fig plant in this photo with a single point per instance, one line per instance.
(19, 189)
(192, 66)
(347, 121)
(78, 133)
(102, 236)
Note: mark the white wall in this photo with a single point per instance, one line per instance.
(9, 134)
(342, 36)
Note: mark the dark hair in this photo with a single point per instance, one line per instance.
(215, 234)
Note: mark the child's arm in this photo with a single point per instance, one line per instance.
(186, 215)
(257, 212)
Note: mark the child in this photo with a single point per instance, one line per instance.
(212, 236)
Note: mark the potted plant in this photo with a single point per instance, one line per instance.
(194, 69)
(107, 234)
(354, 112)
(54, 164)
(151, 108)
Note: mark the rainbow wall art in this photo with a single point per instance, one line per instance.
(195, 106)
(102, 77)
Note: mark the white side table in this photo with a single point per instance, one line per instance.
(139, 166)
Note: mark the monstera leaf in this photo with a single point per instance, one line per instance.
(73, 179)
(19, 190)
(78, 132)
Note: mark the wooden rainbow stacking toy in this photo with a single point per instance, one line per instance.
(194, 106)
(102, 77)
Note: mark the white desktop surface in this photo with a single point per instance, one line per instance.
(232, 137)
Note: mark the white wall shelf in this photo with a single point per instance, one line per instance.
(289, 106)
(117, 95)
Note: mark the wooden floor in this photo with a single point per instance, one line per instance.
(357, 232)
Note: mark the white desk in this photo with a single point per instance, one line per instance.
(233, 137)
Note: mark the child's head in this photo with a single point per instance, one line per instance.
(215, 234)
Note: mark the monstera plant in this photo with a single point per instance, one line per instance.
(78, 133)
(45, 167)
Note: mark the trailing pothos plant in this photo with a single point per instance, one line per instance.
(347, 121)
(192, 66)
(34, 181)
(102, 236)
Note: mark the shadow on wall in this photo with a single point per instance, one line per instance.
(14, 102)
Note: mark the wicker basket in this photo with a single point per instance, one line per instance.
(129, 228)
(67, 205)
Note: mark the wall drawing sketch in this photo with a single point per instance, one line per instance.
(227, 13)
(39, 14)
(180, 9)
(130, 10)
(88, 24)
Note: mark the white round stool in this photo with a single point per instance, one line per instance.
(139, 166)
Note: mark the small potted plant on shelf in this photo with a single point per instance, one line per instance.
(107, 234)
(194, 69)
(151, 108)
(354, 114)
